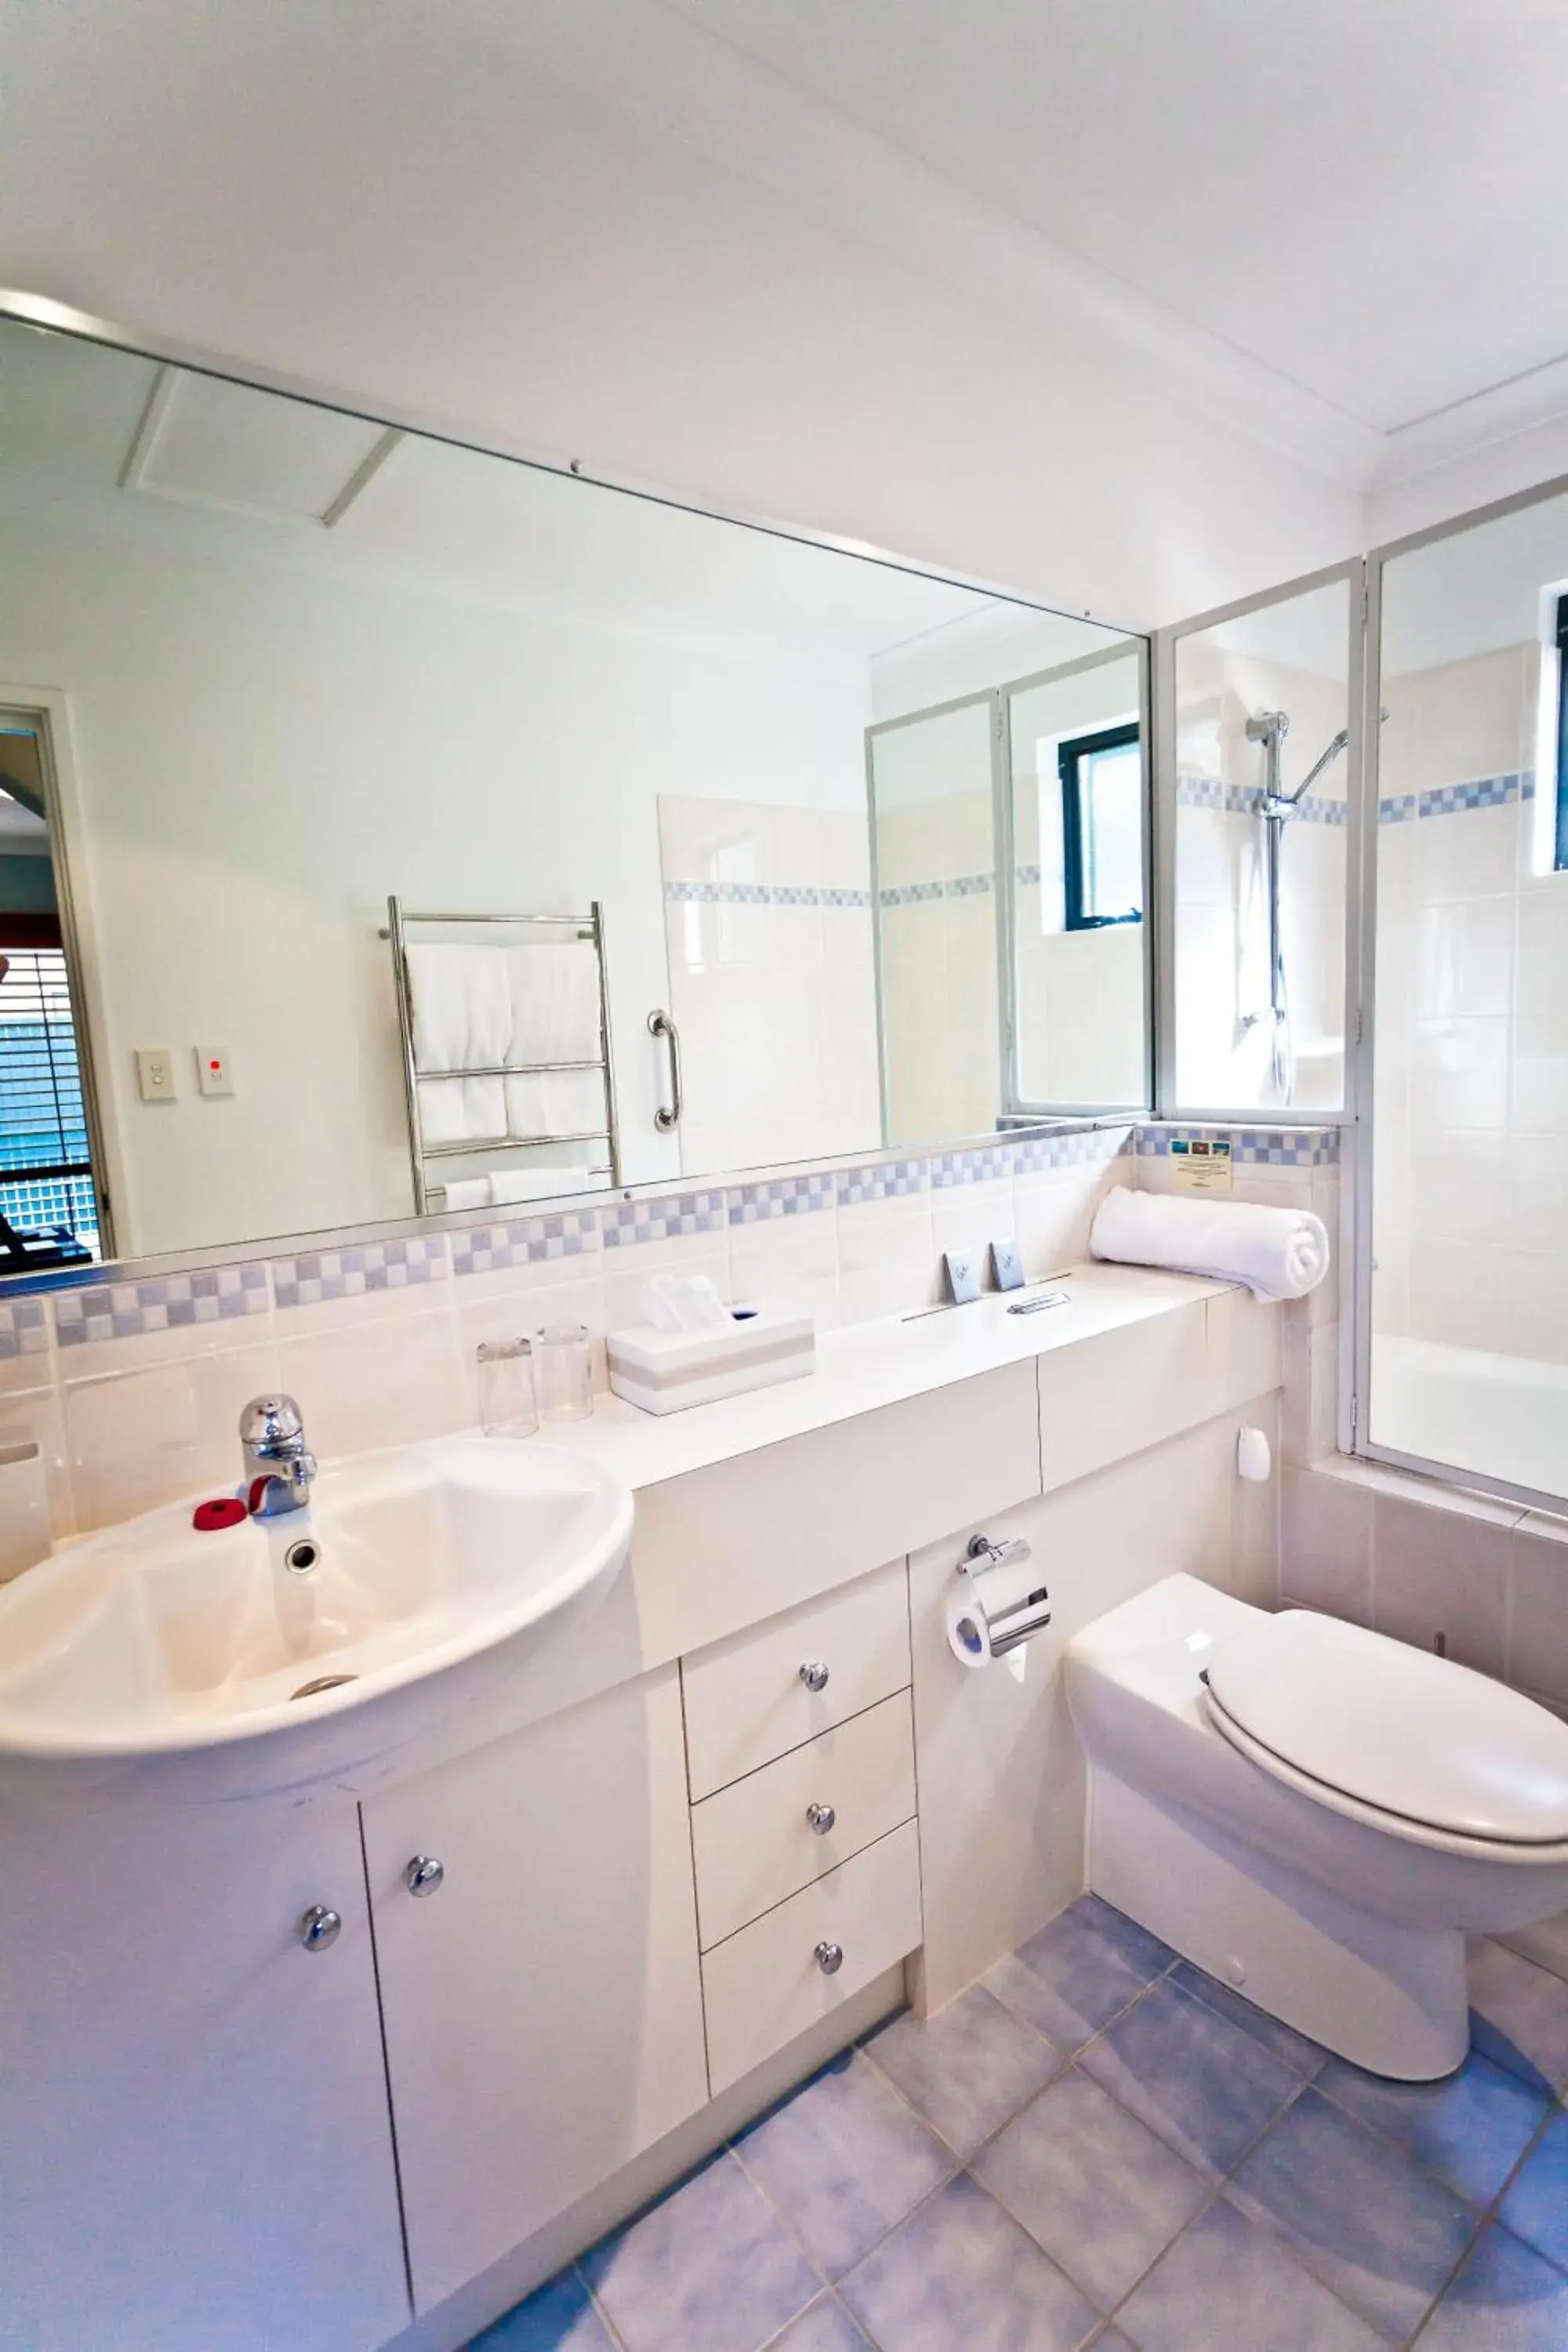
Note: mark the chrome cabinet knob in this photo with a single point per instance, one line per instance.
(424, 1875)
(821, 1818)
(814, 1674)
(319, 1927)
(830, 1958)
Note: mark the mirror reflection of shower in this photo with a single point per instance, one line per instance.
(1270, 728)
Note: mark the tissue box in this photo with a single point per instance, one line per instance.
(665, 1371)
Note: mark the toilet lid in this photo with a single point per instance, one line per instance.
(1395, 1728)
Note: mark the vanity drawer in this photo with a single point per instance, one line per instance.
(745, 1699)
(753, 1842)
(766, 1984)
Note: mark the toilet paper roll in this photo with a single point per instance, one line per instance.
(997, 1612)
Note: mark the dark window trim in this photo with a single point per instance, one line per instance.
(1559, 845)
(1068, 754)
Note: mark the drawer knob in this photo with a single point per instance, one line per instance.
(424, 1875)
(821, 1818)
(830, 1958)
(319, 1927)
(814, 1674)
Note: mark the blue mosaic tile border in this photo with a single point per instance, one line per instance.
(1480, 792)
(1080, 1148)
(631, 1221)
(954, 1168)
(24, 1329)
(353, 1272)
(957, 886)
(170, 1302)
(762, 894)
(1194, 790)
(783, 1196)
(1254, 1147)
(1399, 808)
(893, 1180)
(525, 1241)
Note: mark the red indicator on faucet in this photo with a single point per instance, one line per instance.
(226, 1511)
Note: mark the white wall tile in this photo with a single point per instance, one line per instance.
(367, 1385)
(1438, 1571)
(1325, 1543)
(142, 1437)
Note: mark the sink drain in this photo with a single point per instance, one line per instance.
(323, 1683)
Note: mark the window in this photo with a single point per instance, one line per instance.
(1103, 828)
(1560, 845)
(47, 1210)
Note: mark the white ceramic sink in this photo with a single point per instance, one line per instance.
(151, 1638)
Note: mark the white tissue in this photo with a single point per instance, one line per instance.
(686, 1303)
(983, 1596)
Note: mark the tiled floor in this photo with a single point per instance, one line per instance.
(1099, 2145)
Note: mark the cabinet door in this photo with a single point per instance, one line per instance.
(194, 2145)
(542, 2002)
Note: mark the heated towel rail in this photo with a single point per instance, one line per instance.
(589, 928)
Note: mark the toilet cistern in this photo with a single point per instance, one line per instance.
(278, 1465)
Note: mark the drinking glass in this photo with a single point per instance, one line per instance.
(507, 1403)
(563, 1355)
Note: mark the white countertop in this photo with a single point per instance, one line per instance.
(870, 1365)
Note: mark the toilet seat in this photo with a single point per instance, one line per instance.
(1391, 1735)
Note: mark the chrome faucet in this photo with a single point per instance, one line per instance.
(278, 1465)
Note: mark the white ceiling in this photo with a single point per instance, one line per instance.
(1363, 198)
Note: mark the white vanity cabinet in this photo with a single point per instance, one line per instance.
(536, 1936)
(194, 2149)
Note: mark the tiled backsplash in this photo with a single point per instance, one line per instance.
(134, 1389)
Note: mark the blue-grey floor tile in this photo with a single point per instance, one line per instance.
(1470, 2130)
(842, 2161)
(825, 2328)
(1085, 1965)
(1282, 2042)
(1536, 2207)
(1196, 2079)
(1373, 2225)
(709, 2268)
(558, 2318)
(1227, 2281)
(969, 2068)
(1505, 2299)
(961, 2273)
(1519, 2017)
(1092, 2185)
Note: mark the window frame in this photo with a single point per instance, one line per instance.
(1560, 830)
(1070, 752)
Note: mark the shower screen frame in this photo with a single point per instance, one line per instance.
(1169, 1101)
(1359, 1150)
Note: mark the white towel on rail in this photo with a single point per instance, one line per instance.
(1278, 1252)
(462, 1020)
(510, 1184)
(555, 1003)
(555, 1102)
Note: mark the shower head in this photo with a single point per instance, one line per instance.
(1326, 761)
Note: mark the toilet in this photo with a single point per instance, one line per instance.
(1316, 1814)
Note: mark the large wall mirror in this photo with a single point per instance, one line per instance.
(390, 828)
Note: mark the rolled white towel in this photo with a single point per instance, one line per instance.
(1278, 1252)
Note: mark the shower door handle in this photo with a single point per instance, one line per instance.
(668, 1115)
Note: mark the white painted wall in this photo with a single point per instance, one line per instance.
(455, 211)
(264, 751)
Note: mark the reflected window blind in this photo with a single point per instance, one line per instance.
(45, 1177)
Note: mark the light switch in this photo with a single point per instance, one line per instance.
(212, 1074)
(155, 1073)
